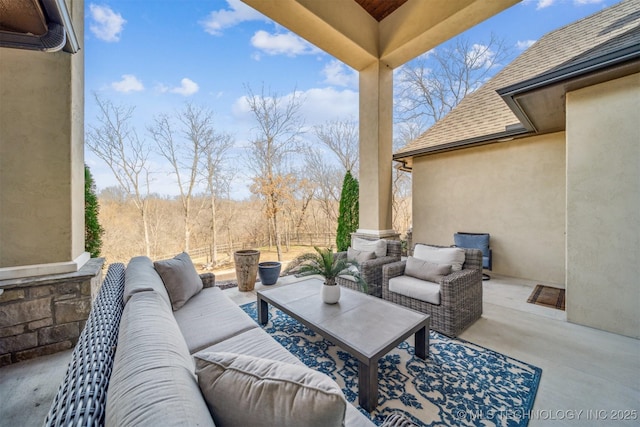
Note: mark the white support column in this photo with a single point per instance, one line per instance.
(376, 133)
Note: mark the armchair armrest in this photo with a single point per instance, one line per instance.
(208, 280)
(390, 271)
(370, 270)
(455, 286)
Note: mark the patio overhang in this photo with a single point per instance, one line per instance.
(361, 32)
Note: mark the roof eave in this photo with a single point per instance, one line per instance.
(536, 100)
(512, 132)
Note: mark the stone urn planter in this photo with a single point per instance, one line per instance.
(269, 271)
(246, 262)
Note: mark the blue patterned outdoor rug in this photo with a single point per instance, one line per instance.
(459, 384)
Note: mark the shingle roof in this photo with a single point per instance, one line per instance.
(483, 113)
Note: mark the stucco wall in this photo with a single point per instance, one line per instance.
(513, 190)
(603, 206)
(42, 155)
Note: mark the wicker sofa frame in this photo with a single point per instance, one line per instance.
(371, 270)
(460, 295)
(81, 397)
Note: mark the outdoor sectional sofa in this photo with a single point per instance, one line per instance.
(138, 362)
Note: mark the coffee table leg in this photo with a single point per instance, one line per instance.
(263, 311)
(422, 343)
(368, 385)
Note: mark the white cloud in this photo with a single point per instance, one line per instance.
(319, 105)
(187, 87)
(106, 24)
(480, 56)
(128, 83)
(543, 4)
(282, 44)
(225, 18)
(524, 44)
(338, 74)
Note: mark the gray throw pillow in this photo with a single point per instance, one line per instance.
(180, 278)
(425, 270)
(244, 390)
(359, 256)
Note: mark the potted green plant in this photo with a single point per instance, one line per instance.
(325, 263)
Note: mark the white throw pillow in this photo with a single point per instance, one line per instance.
(359, 256)
(425, 270)
(453, 256)
(244, 390)
(378, 246)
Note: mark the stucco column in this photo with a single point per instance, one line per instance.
(42, 160)
(376, 133)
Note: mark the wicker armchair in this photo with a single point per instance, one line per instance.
(460, 295)
(371, 270)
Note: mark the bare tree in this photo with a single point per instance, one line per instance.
(218, 180)
(328, 184)
(434, 83)
(341, 137)
(278, 127)
(116, 142)
(185, 149)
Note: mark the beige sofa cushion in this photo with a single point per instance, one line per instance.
(180, 278)
(254, 342)
(243, 390)
(378, 246)
(416, 288)
(453, 256)
(140, 275)
(153, 382)
(425, 270)
(210, 317)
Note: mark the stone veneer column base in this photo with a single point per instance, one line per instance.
(376, 234)
(45, 314)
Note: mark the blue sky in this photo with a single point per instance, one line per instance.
(156, 55)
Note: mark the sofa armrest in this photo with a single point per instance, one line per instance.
(81, 397)
(208, 280)
(397, 420)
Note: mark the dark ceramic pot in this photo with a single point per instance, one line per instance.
(269, 271)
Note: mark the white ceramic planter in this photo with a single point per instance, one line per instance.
(330, 294)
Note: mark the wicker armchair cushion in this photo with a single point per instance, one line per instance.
(180, 278)
(425, 270)
(453, 256)
(359, 256)
(378, 246)
(243, 390)
(416, 288)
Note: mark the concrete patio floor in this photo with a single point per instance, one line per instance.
(589, 377)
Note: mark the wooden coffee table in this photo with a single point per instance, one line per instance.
(364, 326)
